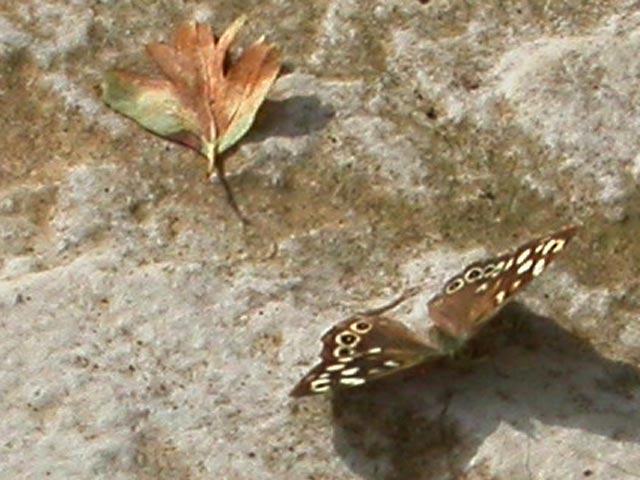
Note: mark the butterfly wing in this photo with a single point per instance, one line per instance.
(362, 349)
(472, 297)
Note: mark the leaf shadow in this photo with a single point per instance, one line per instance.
(430, 423)
(292, 117)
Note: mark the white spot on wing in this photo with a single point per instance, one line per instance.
(454, 286)
(337, 350)
(500, 296)
(493, 270)
(549, 246)
(391, 364)
(320, 385)
(488, 269)
(319, 388)
(523, 256)
(473, 274)
(559, 245)
(341, 336)
(539, 267)
(374, 350)
(361, 326)
(350, 371)
(352, 381)
(525, 267)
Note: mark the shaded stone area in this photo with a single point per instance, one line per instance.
(150, 335)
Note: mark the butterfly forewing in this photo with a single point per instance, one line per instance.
(470, 298)
(362, 349)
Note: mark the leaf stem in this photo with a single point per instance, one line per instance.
(231, 200)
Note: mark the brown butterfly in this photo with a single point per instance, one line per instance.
(368, 347)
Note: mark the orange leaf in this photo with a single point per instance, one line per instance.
(199, 103)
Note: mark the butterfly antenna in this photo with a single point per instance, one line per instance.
(407, 294)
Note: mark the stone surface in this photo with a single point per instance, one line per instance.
(148, 335)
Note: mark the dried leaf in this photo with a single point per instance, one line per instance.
(201, 103)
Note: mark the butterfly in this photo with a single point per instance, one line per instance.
(367, 347)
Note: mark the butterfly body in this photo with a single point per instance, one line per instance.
(365, 348)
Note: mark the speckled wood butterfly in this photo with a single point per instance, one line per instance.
(367, 347)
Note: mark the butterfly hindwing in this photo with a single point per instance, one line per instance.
(470, 298)
(362, 349)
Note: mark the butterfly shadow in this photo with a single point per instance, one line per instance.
(522, 369)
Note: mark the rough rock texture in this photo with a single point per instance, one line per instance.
(148, 335)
